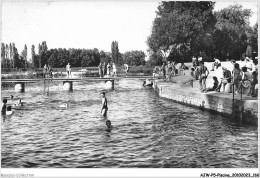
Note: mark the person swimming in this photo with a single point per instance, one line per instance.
(9, 110)
(4, 106)
(147, 83)
(104, 107)
(109, 126)
(18, 103)
(65, 105)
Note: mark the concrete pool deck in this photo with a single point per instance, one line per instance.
(220, 102)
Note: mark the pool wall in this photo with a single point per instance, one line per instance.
(247, 110)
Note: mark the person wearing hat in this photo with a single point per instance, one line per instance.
(226, 78)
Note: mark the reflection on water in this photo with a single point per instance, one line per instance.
(148, 131)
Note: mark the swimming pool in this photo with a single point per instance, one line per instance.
(148, 131)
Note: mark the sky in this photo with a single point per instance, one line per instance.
(84, 24)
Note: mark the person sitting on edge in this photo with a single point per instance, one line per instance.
(226, 79)
(155, 70)
(216, 64)
(249, 64)
(215, 85)
(182, 68)
(254, 82)
(4, 106)
(9, 110)
(104, 107)
(108, 125)
(203, 74)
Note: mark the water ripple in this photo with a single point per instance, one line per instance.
(148, 131)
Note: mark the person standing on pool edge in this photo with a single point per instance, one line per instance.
(104, 107)
(68, 69)
(203, 74)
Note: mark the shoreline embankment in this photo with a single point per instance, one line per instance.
(220, 102)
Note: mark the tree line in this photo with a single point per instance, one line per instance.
(183, 29)
(60, 57)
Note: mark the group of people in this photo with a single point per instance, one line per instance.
(168, 70)
(243, 74)
(107, 69)
(47, 71)
(7, 109)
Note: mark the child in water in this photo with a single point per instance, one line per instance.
(109, 126)
(9, 110)
(19, 103)
(4, 106)
(104, 107)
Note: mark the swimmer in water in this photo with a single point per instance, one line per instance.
(19, 103)
(65, 105)
(109, 126)
(104, 107)
(11, 97)
(9, 110)
(4, 106)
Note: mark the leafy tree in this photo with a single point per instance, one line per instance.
(134, 58)
(252, 36)
(115, 52)
(3, 59)
(230, 34)
(7, 56)
(16, 57)
(34, 58)
(24, 55)
(155, 59)
(40, 55)
(181, 26)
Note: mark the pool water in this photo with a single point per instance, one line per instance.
(148, 131)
